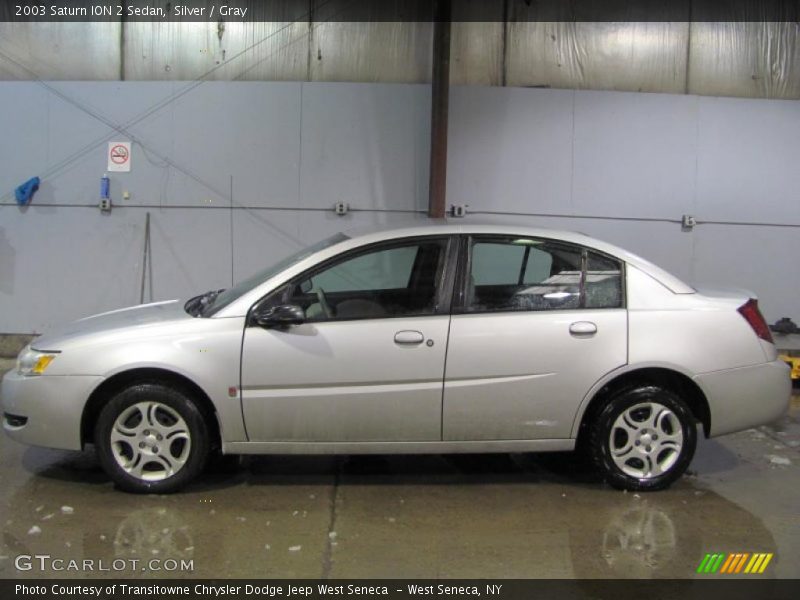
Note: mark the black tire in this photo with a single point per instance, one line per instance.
(187, 451)
(643, 470)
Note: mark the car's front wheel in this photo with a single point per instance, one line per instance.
(643, 439)
(151, 438)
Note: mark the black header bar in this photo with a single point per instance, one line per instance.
(156, 11)
(734, 588)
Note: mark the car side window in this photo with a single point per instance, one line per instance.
(525, 274)
(388, 281)
(496, 263)
(384, 270)
(603, 282)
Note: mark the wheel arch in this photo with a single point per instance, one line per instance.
(119, 381)
(666, 377)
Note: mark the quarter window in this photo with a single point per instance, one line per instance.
(530, 274)
(603, 282)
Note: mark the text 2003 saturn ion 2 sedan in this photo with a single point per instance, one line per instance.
(429, 339)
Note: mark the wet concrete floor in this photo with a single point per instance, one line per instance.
(471, 516)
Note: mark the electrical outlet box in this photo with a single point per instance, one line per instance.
(341, 208)
(105, 204)
(458, 210)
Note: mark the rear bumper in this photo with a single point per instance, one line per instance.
(747, 397)
(45, 410)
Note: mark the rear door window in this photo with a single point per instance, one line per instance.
(518, 274)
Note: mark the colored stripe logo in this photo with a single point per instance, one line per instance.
(749, 563)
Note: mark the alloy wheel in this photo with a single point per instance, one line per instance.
(150, 441)
(646, 440)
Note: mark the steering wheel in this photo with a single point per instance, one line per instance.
(323, 303)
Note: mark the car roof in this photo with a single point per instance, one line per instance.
(441, 226)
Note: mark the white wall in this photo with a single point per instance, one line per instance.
(278, 145)
(307, 145)
(641, 161)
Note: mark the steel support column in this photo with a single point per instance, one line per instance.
(439, 104)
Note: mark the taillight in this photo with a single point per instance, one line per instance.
(749, 310)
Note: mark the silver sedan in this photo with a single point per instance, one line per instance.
(427, 339)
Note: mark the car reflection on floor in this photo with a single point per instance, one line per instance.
(489, 516)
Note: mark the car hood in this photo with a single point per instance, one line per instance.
(142, 315)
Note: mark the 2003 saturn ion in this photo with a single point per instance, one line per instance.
(429, 339)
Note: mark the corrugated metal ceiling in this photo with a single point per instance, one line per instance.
(746, 59)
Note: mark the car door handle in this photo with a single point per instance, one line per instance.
(583, 328)
(409, 337)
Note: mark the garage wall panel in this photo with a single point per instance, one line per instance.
(191, 251)
(510, 149)
(747, 160)
(366, 145)
(641, 161)
(320, 225)
(60, 264)
(78, 141)
(303, 146)
(262, 238)
(24, 286)
(25, 109)
(760, 259)
(634, 154)
(249, 131)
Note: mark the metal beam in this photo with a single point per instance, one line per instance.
(439, 105)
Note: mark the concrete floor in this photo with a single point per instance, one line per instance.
(490, 516)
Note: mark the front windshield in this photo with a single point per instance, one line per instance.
(224, 298)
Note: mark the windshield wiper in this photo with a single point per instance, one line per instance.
(197, 306)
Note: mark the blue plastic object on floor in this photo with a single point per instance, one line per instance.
(24, 193)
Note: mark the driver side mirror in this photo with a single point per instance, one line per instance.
(279, 316)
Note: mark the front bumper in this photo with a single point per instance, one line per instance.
(45, 410)
(746, 397)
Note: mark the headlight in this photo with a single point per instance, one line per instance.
(33, 362)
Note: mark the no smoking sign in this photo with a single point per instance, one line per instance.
(119, 156)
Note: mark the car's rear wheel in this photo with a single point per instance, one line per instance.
(151, 438)
(643, 439)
